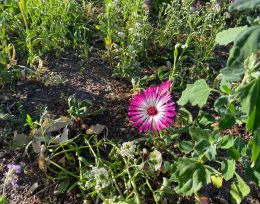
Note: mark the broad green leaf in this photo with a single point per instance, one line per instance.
(211, 152)
(236, 195)
(186, 146)
(227, 36)
(239, 191)
(190, 176)
(216, 181)
(255, 150)
(196, 94)
(233, 153)
(244, 188)
(239, 145)
(245, 44)
(185, 115)
(232, 73)
(254, 175)
(241, 5)
(221, 101)
(206, 119)
(202, 145)
(198, 133)
(228, 169)
(249, 96)
(226, 142)
(227, 121)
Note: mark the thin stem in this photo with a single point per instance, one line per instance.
(151, 189)
(63, 169)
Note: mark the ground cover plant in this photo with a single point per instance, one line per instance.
(118, 101)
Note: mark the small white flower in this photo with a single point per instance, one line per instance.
(131, 30)
(138, 25)
(101, 177)
(121, 34)
(128, 150)
(155, 158)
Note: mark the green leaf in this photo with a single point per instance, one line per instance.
(202, 145)
(233, 153)
(254, 175)
(211, 152)
(227, 121)
(185, 115)
(206, 119)
(190, 176)
(255, 150)
(198, 133)
(245, 44)
(249, 96)
(196, 94)
(62, 187)
(221, 101)
(232, 73)
(241, 5)
(186, 146)
(228, 168)
(236, 195)
(227, 36)
(243, 187)
(239, 145)
(226, 142)
(239, 191)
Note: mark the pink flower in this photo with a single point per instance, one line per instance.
(153, 108)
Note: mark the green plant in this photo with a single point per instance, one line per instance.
(238, 104)
(79, 110)
(58, 24)
(127, 31)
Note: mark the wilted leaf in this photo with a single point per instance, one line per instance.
(41, 159)
(196, 94)
(201, 199)
(95, 129)
(64, 137)
(50, 126)
(20, 138)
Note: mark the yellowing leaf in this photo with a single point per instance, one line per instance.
(217, 181)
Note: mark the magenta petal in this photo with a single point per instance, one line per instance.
(157, 97)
